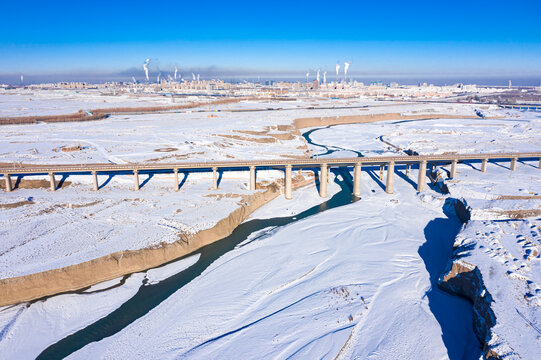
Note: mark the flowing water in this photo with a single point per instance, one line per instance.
(150, 296)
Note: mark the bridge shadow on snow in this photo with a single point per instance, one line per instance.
(454, 314)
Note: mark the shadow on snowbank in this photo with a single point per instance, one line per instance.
(454, 314)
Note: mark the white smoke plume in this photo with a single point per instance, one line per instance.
(176, 71)
(193, 76)
(346, 68)
(317, 76)
(22, 79)
(337, 69)
(197, 77)
(158, 78)
(325, 77)
(145, 67)
(133, 79)
(169, 77)
(307, 75)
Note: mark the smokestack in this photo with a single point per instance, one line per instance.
(346, 68)
(337, 69)
(145, 67)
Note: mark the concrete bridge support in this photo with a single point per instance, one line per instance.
(95, 180)
(176, 179)
(453, 168)
(390, 178)
(52, 181)
(484, 165)
(513, 164)
(252, 177)
(539, 166)
(381, 169)
(136, 179)
(288, 184)
(329, 176)
(323, 181)
(9, 187)
(214, 178)
(421, 181)
(408, 170)
(357, 180)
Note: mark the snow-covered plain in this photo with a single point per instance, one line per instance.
(24, 102)
(351, 280)
(357, 281)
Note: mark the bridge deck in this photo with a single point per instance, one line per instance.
(107, 167)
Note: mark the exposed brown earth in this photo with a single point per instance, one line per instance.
(360, 119)
(32, 184)
(75, 277)
(16, 204)
(99, 114)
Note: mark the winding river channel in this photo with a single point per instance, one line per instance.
(150, 296)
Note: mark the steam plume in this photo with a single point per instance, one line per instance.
(317, 76)
(337, 69)
(145, 67)
(176, 71)
(346, 68)
(325, 77)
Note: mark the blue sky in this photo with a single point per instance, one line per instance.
(393, 37)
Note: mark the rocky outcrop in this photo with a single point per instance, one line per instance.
(465, 279)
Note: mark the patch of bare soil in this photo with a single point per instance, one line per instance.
(32, 184)
(167, 149)
(16, 204)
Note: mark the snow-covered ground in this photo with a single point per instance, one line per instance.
(76, 224)
(349, 281)
(24, 102)
(358, 281)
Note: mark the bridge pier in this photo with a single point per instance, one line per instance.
(381, 169)
(408, 170)
(8, 182)
(288, 182)
(390, 178)
(52, 181)
(95, 180)
(513, 164)
(421, 181)
(214, 178)
(323, 181)
(484, 165)
(136, 179)
(252, 177)
(539, 166)
(453, 168)
(329, 176)
(176, 179)
(357, 180)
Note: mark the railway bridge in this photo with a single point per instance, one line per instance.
(323, 165)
